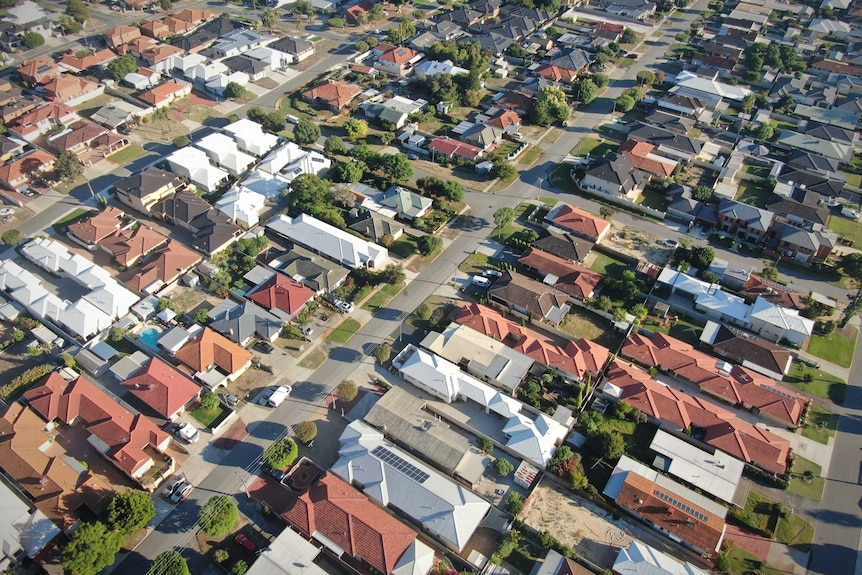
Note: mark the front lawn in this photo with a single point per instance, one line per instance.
(382, 297)
(478, 262)
(594, 146)
(853, 179)
(344, 331)
(846, 228)
(127, 154)
(820, 425)
(61, 226)
(823, 384)
(810, 489)
(405, 246)
(207, 417)
(768, 516)
(744, 563)
(314, 359)
(837, 347)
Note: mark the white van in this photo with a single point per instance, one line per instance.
(292, 119)
(481, 281)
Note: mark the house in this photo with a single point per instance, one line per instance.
(163, 389)
(729, 383)
(214, 358)
(133, 443)
(39, 71)
(747, 350)
(707, 421)
(776, 323)
(448, 148)
(13, 103)
(97, 227)
(27, 531)
(709, 299)
(430, 68)
(480, 355)
(45, 119)
(677, 511)
(575, 280)
(753, 286)
(577, 222)
(127, 246)
(297, 48)
(507, 121)
(556, 74)
(640, 558)
(574, 61)
(223, 151)
(800, 245)
(161, 58)
(746, 222)
(565, 246)
(283, 296)
(332, 95)
(398, 61)
(242, 206)
(238, 41)
(709, 90)
(287, 553)
(669, 144)
(394, 111)
(530, 298)
(147, 188)
(142, 79)
(164, 267)
(251, 138)
(407, 205)
(121, 35)
(193, 164)
(358, 12)
(635, 9)
(820, 27)
(835, 149)
(254, 69)
(212, 231)
(642, 156)
(802, 209)
(446, 510)
(532, 436)
(240, 322)
(114, 114)
(72, 90)
(483, 136)
(323, 507)
(75, 63)
(802, 160)
(574, 359)
(374, 226)
(89, 141)
(330, 241)
(164, 94)
(204, 36)
(318, 273)
(16, 174)
(557, 564)
(10, 147)
(290, 160)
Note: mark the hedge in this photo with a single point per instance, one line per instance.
(30, 376)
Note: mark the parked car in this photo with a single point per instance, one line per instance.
(186, 431)
(278, 396)
(480, 281)
(492, 274)
(850, 213)
(344, 306)
(673, 244)
(279, 474)
(292, 119)
(412, 157)
(173, 485)
(306, 331)
(230, 399)
(241, 539)
(181, 492)
(830, 202)
(264, 347)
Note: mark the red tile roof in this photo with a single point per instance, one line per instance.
(572, 278)
(716, 377)
(211, 348)
(89, 60)
(335, 510)
(580, 222)
(68, 87)
(504, 120)
(167, 265)
(556, 73)
(448, 147)
(773, 292)
(162, 92)
(335, 94)
(638, 152)
(162, 387)
(29, 122)
(399, 55)
(722, 429)
(21, 167)
(128, 246)
(99, 226)
(576, 358)
(283, 293)
(126, 434)
(39, 70)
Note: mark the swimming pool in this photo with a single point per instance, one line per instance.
(150, 336)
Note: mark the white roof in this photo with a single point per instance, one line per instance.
(242, 205)
(711, 86)
(534, 439)
(251, 137)
(223, 150)
(281, 157)
(289, 554)
(218, 83)
(715, 473)
(206, 72)
(641, 559)
(707, 295)
(829, 26)
(268, 185)
(195, 164)
(330, 241)
(20, 529)
(417, 559)
(781, 317)
(391, 477)
(434, 67)
(311, 163)
(186, 62)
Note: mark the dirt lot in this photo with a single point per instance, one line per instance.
(639, 244)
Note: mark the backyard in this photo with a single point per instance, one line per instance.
(681, 328)
(846, 228)
(837, 347)
(606, 265)
(582, 323)
(754, 193)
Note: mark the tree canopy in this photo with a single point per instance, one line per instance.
(306, 132)
(306, 431)
(271, 122)
(169, 563)
(119, 67)
(281, 453)
(334, 145)
(551, 104)
(234, 91)
(32, 39)
(68, 166)
(130, 510)
(219, 515)
(77, 10)
(625, 103)
(91, 548)
(347, 390)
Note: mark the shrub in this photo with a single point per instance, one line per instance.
(181, 141)
(209, 401)
(514, 503)
(347, 390)
(306, 431)
(219, 516)
(221, 555)
(486, 445)
(382, 353)
(239, 568)
(281, 453)
(11, 237)
(30, 376)
(32, 40)
(503, 467)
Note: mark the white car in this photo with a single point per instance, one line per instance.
(481, 281)
(344, 306)
(492, 274)
(850, 213)
(187, 432)
(7, 211)
(181, 492)
(278, 396)
(830, 202)
(669, 243)
(174, 485)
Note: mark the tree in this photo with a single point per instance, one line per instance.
(130, 510)
(270, 18)
(239, 568)
(503, 217)
(347, 390)
(166, 4)
(396, 167)
(355, 129)
(553, 106)
(306, 132)
(701, 257)
(219, 516)
(722, 563)
(91, 548)
(169, 563)
(70, 25)
(334, 145)
(639, 311)
(181, 141)
(32, 40)
(486, 445)
(604, 303)
(624, 103)
(453, 191)
(77, 10)
(748, 103)
(119, 67)
(702, 193)
(11, 237)
(393, 274)
(382, 353)
(234, 91)
(607, 212)
(503, 170)
(852, 264)
(628, 36)
(201, 316)
(280, 453)
(337, 23)
(428, 244)
(514, 502)
(611, 444)
(209, 400)
(349, 172)
(503, 467)
(763, 132)
(637, 94)
(68, 166)
(646, 77)
(306, 431)
(600, 80)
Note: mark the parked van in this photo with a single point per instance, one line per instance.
(292, 119)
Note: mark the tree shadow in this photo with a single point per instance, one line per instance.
(345, 354)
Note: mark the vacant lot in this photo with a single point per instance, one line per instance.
(584, 324)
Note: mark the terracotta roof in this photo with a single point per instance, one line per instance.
(126, 434)
(68, 87)
(92, 59)
(98, 226)
(162, 388)
(122, 35)
(167, 265)
(23, 165)
(39, 69)
(504, 120)
(556, 73)
(161, 53)
(333, 509)
(29, 123)
(399, 55)
(638, 152)
(283, 293)
(721, 428)
(580, 222)
(194, 16)
(731, 383)
(211, 348)
(571, 278)
(127, 246)
(449, 147)
(773, 292)
(336, 94)
(576, 358)
(162, 91)
(82, 133)
(691, 523)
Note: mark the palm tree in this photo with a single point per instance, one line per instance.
(163, 115)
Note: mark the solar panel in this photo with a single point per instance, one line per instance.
(681, 505)
(400, 464)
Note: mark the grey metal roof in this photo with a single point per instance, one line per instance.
(243, 321)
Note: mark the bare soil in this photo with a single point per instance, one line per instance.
(639, 244)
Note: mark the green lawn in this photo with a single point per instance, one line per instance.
(821, 424)
(654, 200)
(524, 210)
(762, 514)
(608, 266)
(594, 146)
(478, 262)
(530, 156)
(127, 154)
(625, 62)
(824, 384)
(72, 217)
(753, 193)
(344, 331)
(548, 201)
(813, 490)
(846, 228)
(382, 297)
(853, 179)
(682, 329)
(206, 417)
(837, 347)
(405, 246)
(314, 359)
(744, 563)
(508, 148)
(760, 171)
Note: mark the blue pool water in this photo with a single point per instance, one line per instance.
(150, 336)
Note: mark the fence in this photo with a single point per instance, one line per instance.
(628, 204)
